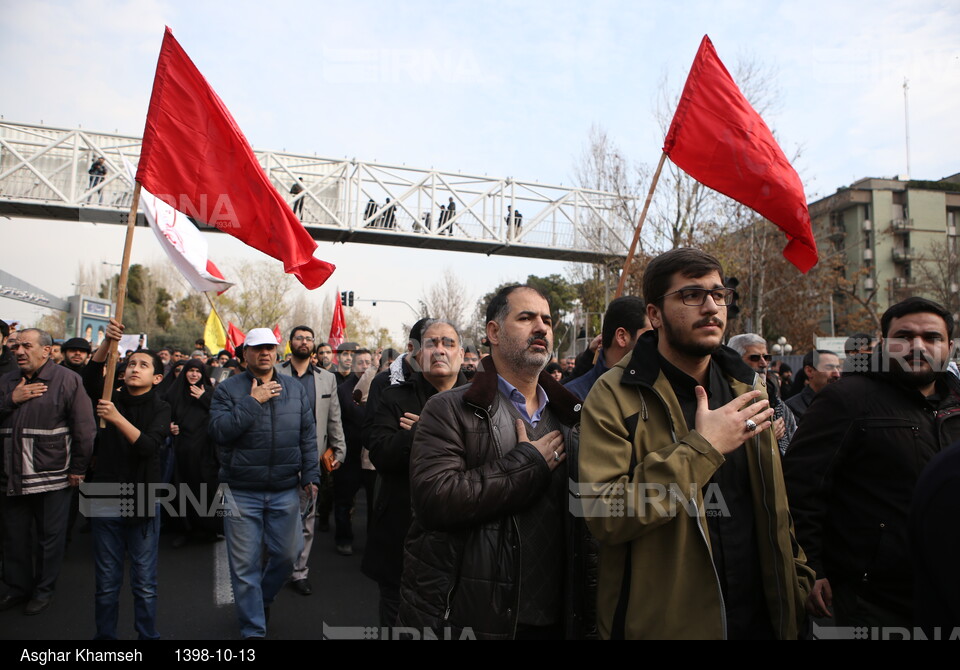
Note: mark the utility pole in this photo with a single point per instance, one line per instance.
(906, 121)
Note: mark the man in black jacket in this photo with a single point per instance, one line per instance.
(7, 361)
(76, 353)
(853, 464)
(389, 442)
(820, 368)
(348, 478)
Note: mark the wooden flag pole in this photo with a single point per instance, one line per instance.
(636, 234)
(206, 295)
(121, 297)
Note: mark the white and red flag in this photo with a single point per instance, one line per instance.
(185, 246)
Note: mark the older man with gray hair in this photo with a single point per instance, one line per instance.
(753, 350)
(394, 426)
(47, 429)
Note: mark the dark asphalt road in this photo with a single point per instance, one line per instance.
(195, 597)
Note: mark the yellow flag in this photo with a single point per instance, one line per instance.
(214, 336)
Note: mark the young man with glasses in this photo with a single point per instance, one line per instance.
(680, 478)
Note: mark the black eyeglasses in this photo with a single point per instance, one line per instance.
(755, 358)
(696, 297)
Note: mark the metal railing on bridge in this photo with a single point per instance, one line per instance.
(51, 173)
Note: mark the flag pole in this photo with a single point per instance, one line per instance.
(121, 297)
(206, 295)
(636, 234)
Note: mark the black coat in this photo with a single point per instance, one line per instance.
(850, 472)
(354, 417)
(389, 447)
(116, 459)
(936, 543)
(196, 453)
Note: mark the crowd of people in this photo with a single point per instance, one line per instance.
(672, 481)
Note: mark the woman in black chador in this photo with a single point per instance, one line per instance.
(194, 452)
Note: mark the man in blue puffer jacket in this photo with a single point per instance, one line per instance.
(268, 449)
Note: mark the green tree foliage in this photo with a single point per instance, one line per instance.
(147, 305)
(188, 320)
(365, 331)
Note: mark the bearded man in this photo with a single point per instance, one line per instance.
(681, 474)
(854, 462)
(321, 389)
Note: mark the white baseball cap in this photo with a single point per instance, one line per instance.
(260, 336)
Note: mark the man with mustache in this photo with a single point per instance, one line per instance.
(680, 476)
(267, 433)
(820, 368)
(8, 362)
(487, 550)
(47, 430)
(853, 464)
(471, 359)
(394, 427)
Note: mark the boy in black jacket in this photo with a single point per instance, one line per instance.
(128, 454)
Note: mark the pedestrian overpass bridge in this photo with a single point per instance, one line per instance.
(44, 174)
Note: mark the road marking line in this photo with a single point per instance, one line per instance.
(222, 590)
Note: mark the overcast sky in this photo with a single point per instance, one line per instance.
(498, 88)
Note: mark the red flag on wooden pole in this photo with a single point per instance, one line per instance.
(719, 139)
(195, 158)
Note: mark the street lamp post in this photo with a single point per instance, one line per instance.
(782, 347)
(109, 282)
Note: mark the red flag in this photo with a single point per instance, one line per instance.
(338, 326)
(195, 158)
(277, 334)
(719, 139)
(235, 338)
(215, 271)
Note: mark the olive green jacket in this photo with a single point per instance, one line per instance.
(642, 479)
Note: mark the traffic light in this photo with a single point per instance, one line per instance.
(349, 298)
(343, 298)
(733, 309)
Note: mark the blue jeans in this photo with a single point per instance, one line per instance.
(256, 520)
(113, 540)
